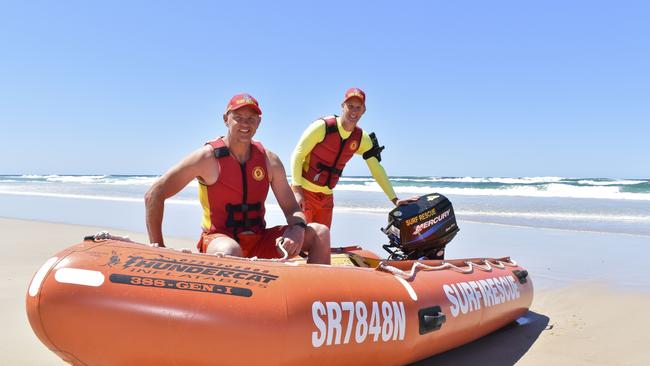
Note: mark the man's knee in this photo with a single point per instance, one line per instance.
(318, 241)
(224, 245)
(319, 232)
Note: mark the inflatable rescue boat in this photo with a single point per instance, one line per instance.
(110, 301)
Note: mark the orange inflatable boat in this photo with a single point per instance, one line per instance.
(113, 302)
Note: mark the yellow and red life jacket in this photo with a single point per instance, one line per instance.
(235, 202)
(328, 158)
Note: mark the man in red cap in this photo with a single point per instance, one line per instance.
(324, 149)
(234, 174)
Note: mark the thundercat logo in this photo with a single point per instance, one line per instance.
(204, 271)
(433, 221)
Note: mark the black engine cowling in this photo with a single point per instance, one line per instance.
(421, 229)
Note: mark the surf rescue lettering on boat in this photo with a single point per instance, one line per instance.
(469, 296)
(435, 220)
(347, 321)
(172, 266)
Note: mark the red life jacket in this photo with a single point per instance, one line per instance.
(328, 158)
(235, 202)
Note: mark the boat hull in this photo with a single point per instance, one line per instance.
(117, 303)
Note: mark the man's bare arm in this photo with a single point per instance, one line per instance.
(198, 164)
(294, 236)
(282, 191)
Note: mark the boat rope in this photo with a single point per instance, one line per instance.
(486, 266)
(283, 259)
(105, 235)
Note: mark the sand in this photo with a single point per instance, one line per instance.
(592, 315)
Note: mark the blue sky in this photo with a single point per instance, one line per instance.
(464, 88)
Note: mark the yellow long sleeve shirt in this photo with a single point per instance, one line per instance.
(314, 134)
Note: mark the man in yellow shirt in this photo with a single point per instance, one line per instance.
(322, 152)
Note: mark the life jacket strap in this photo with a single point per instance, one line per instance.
(375, 151)
(221, 152)
(244, 207)
(330, 169)
(248, 223)
(331, 128)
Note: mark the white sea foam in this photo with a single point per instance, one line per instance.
(351, 179)
(412, 179)
(460, 180)
(551, 190)
(75, 178)
(178, 201)
(611, 183)
(556, 216)
(376, 210)
(91, 179)
(502, 180)
(148, 180)
(525, 180)
(130, 181)
(462, 214)
(515, 187)
(516, 214)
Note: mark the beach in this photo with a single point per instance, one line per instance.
(530, 118)
(591, 289)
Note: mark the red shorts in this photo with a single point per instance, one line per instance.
(260, 245)
(318, 207)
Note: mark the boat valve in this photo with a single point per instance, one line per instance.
(522, 275)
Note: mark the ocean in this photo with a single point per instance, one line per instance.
(583, 204)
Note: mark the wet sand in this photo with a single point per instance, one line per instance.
(592, 290)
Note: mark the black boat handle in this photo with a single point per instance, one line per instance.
(431, 319)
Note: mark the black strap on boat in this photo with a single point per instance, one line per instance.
(431, 319)
(522, 275)
(376, 150)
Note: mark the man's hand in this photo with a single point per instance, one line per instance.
(399, 202)
(291, 240)
(297, 192)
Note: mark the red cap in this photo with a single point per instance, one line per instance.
(355, 92)
(243, 100)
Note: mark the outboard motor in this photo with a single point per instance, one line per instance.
(421, 229)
